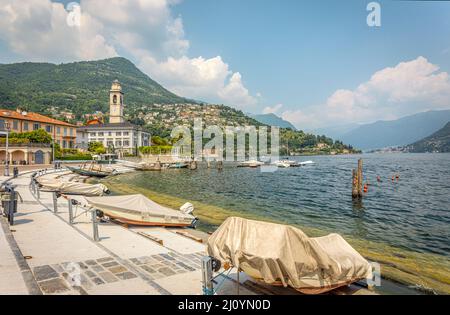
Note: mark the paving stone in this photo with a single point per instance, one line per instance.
(44, 273)
(159, 258)
(97, 268)
(135, 261)
(90, 274)
(85, 282)
(53, 286)
(167, 256)
(146, 259)
(58, 268)
(157, 276)
(181, 271)
(118, 269)
(156, 266)
(126, 275)
(185, 266)
(166, 271)
(83, 266)
(148, 269)
(90, 262)
(106, 259)
(98, 281)
(110, 264)
(108, 277)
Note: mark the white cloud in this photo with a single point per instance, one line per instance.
(37, 30)
(144, 30)
(272, 110)
(407, 88)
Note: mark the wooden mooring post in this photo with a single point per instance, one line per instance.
(357, 181)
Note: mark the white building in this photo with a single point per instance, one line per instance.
(118, 134)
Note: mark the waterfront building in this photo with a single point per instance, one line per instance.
(19, 121)
(118, 134)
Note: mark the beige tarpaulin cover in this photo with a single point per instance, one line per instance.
(135, 204)
(67, 187)
(280, 254)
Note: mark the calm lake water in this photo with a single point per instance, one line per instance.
(412, 213)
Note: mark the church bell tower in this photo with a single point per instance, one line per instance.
(116, 103)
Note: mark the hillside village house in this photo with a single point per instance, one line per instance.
(119, 134)
(20, 121)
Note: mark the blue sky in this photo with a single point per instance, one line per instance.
(315, 63)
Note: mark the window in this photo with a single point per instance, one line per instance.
(118, 143)
(118, 133)
(115, 99)
(109, 143)
(101, 134)
(64, 144)
(25, 126)
(126, 133)
(100, 140)
(110, 133)
(36, 126)
(48, 128)
(92, 134)
(15, 125)
(65, 131)
(126, 143)
(58, 130)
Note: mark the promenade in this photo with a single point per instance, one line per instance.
(43, 254)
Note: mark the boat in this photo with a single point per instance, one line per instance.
(251, 163)
(140, 210)
(282, 255)
(91, 170)
(281, 164)
(72, 188)
(179, 165)
(306, 163)
(149, 166)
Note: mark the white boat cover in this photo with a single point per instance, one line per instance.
(281, 254)
(135, 204)
(67, 187)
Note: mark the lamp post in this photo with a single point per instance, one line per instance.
(6, 173)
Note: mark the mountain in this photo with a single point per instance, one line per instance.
(82, 87)
(437, 142)
(399, 132)
(336, 131)
(273, 120)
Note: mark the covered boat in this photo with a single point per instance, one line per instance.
(283, 255)
(139, 210)
(72, 188)
(90, 171)
(251, 163)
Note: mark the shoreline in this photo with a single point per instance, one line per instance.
(425, 272)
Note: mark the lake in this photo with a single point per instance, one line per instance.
(411, 213)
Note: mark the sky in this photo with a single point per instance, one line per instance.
(314, 63)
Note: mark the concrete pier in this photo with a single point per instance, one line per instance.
(44, 254)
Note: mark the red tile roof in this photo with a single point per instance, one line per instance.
(12, 114)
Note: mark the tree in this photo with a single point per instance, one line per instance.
(35, 136)
(96, 147)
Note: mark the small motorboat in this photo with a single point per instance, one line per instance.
(282, 255)
(92, 169)
(306, 163)
(90, 172)
(281, 164)
(251, 163)
(140, 210)
(179, 165)
(72, 188)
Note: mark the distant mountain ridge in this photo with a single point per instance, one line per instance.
(398, 132)
(272, 120)
(437, 142)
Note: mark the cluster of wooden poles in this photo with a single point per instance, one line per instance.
(357, 181)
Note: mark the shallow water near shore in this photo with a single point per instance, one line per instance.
(402, 224)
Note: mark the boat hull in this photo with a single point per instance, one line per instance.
(147, 221)
(88, 173)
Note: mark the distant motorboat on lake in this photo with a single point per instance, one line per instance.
(251, 163)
